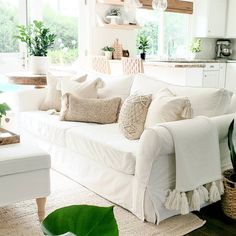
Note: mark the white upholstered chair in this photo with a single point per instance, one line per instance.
(132, 66)
(101, 64)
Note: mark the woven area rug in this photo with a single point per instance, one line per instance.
(21, 219)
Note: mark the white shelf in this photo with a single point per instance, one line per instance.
(119, 27)
(111, 2)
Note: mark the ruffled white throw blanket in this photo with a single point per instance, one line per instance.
(198, 167)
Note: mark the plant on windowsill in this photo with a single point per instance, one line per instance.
(108, 51)
(3, 112)
(81, 220)
(229, 197)
(195, 48)
(38, 40)
(143, 46)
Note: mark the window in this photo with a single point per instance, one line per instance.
(63, 20)
(168, 33)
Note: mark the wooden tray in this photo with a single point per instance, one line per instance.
(7, 137)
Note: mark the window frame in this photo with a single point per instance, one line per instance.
(161, 38)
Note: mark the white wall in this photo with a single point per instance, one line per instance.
(208, 47)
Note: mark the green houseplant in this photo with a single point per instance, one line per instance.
(81, 220)
(108, 51)
(38, 40)
(143, 45)
(232, 151)
(3, 111)
(195, 47)
(229, 197)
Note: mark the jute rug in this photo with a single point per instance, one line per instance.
(21, 219)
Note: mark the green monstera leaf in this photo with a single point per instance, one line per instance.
(81, 220)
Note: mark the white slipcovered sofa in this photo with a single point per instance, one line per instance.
(135, 174)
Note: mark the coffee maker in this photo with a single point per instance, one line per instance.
(223, 48)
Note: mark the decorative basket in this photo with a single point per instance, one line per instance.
(229, 197)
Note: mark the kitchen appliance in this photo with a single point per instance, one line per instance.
(223, 48)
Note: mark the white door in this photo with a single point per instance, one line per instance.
(231, 77)
(231, 19)
(211, 79)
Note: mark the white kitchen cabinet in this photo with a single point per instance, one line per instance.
(231, 77)
(210, 18)
(210, 79)
(231, 19)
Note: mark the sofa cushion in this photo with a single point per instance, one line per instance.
(115, 87)
(205, 101)
(46, 127)
(102, 143)
(86, 89)
(105, 144)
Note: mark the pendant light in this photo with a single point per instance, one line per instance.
(160, 4)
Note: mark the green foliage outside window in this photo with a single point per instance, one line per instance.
(65, 49)
(8, 22)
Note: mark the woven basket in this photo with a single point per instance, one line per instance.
(229, 197)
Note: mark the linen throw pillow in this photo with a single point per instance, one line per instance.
(166, 107)
(53, 95)
(133, 115)
(87, 89)
(102, 111)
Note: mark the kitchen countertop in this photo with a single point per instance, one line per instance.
(182, 63)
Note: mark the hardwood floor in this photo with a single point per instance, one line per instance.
(217, 224)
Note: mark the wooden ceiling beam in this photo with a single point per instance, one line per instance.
(177, 6)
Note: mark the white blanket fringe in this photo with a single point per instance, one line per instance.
(179, 201)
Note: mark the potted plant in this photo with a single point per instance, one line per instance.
(143, 45)
(108, 51)
(113, 15)
(195, 47)
(38, 40)
(3, 111)
(229, 198)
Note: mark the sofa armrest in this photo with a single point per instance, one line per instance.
(154, 142)
(157, 141)
(222, 123)
(25, 100)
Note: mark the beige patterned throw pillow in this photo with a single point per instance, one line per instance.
(133, 115)
(102, 111)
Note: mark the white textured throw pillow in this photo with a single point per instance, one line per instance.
(166, 107)
(87, 89)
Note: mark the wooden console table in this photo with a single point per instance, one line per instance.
(27, 78)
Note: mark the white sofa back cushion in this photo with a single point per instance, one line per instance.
(113, 86)
(205, 101)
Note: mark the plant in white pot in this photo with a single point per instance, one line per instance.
(195, 48)
(108, 51)
(38, 40)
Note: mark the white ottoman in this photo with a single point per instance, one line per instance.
(24, 175)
